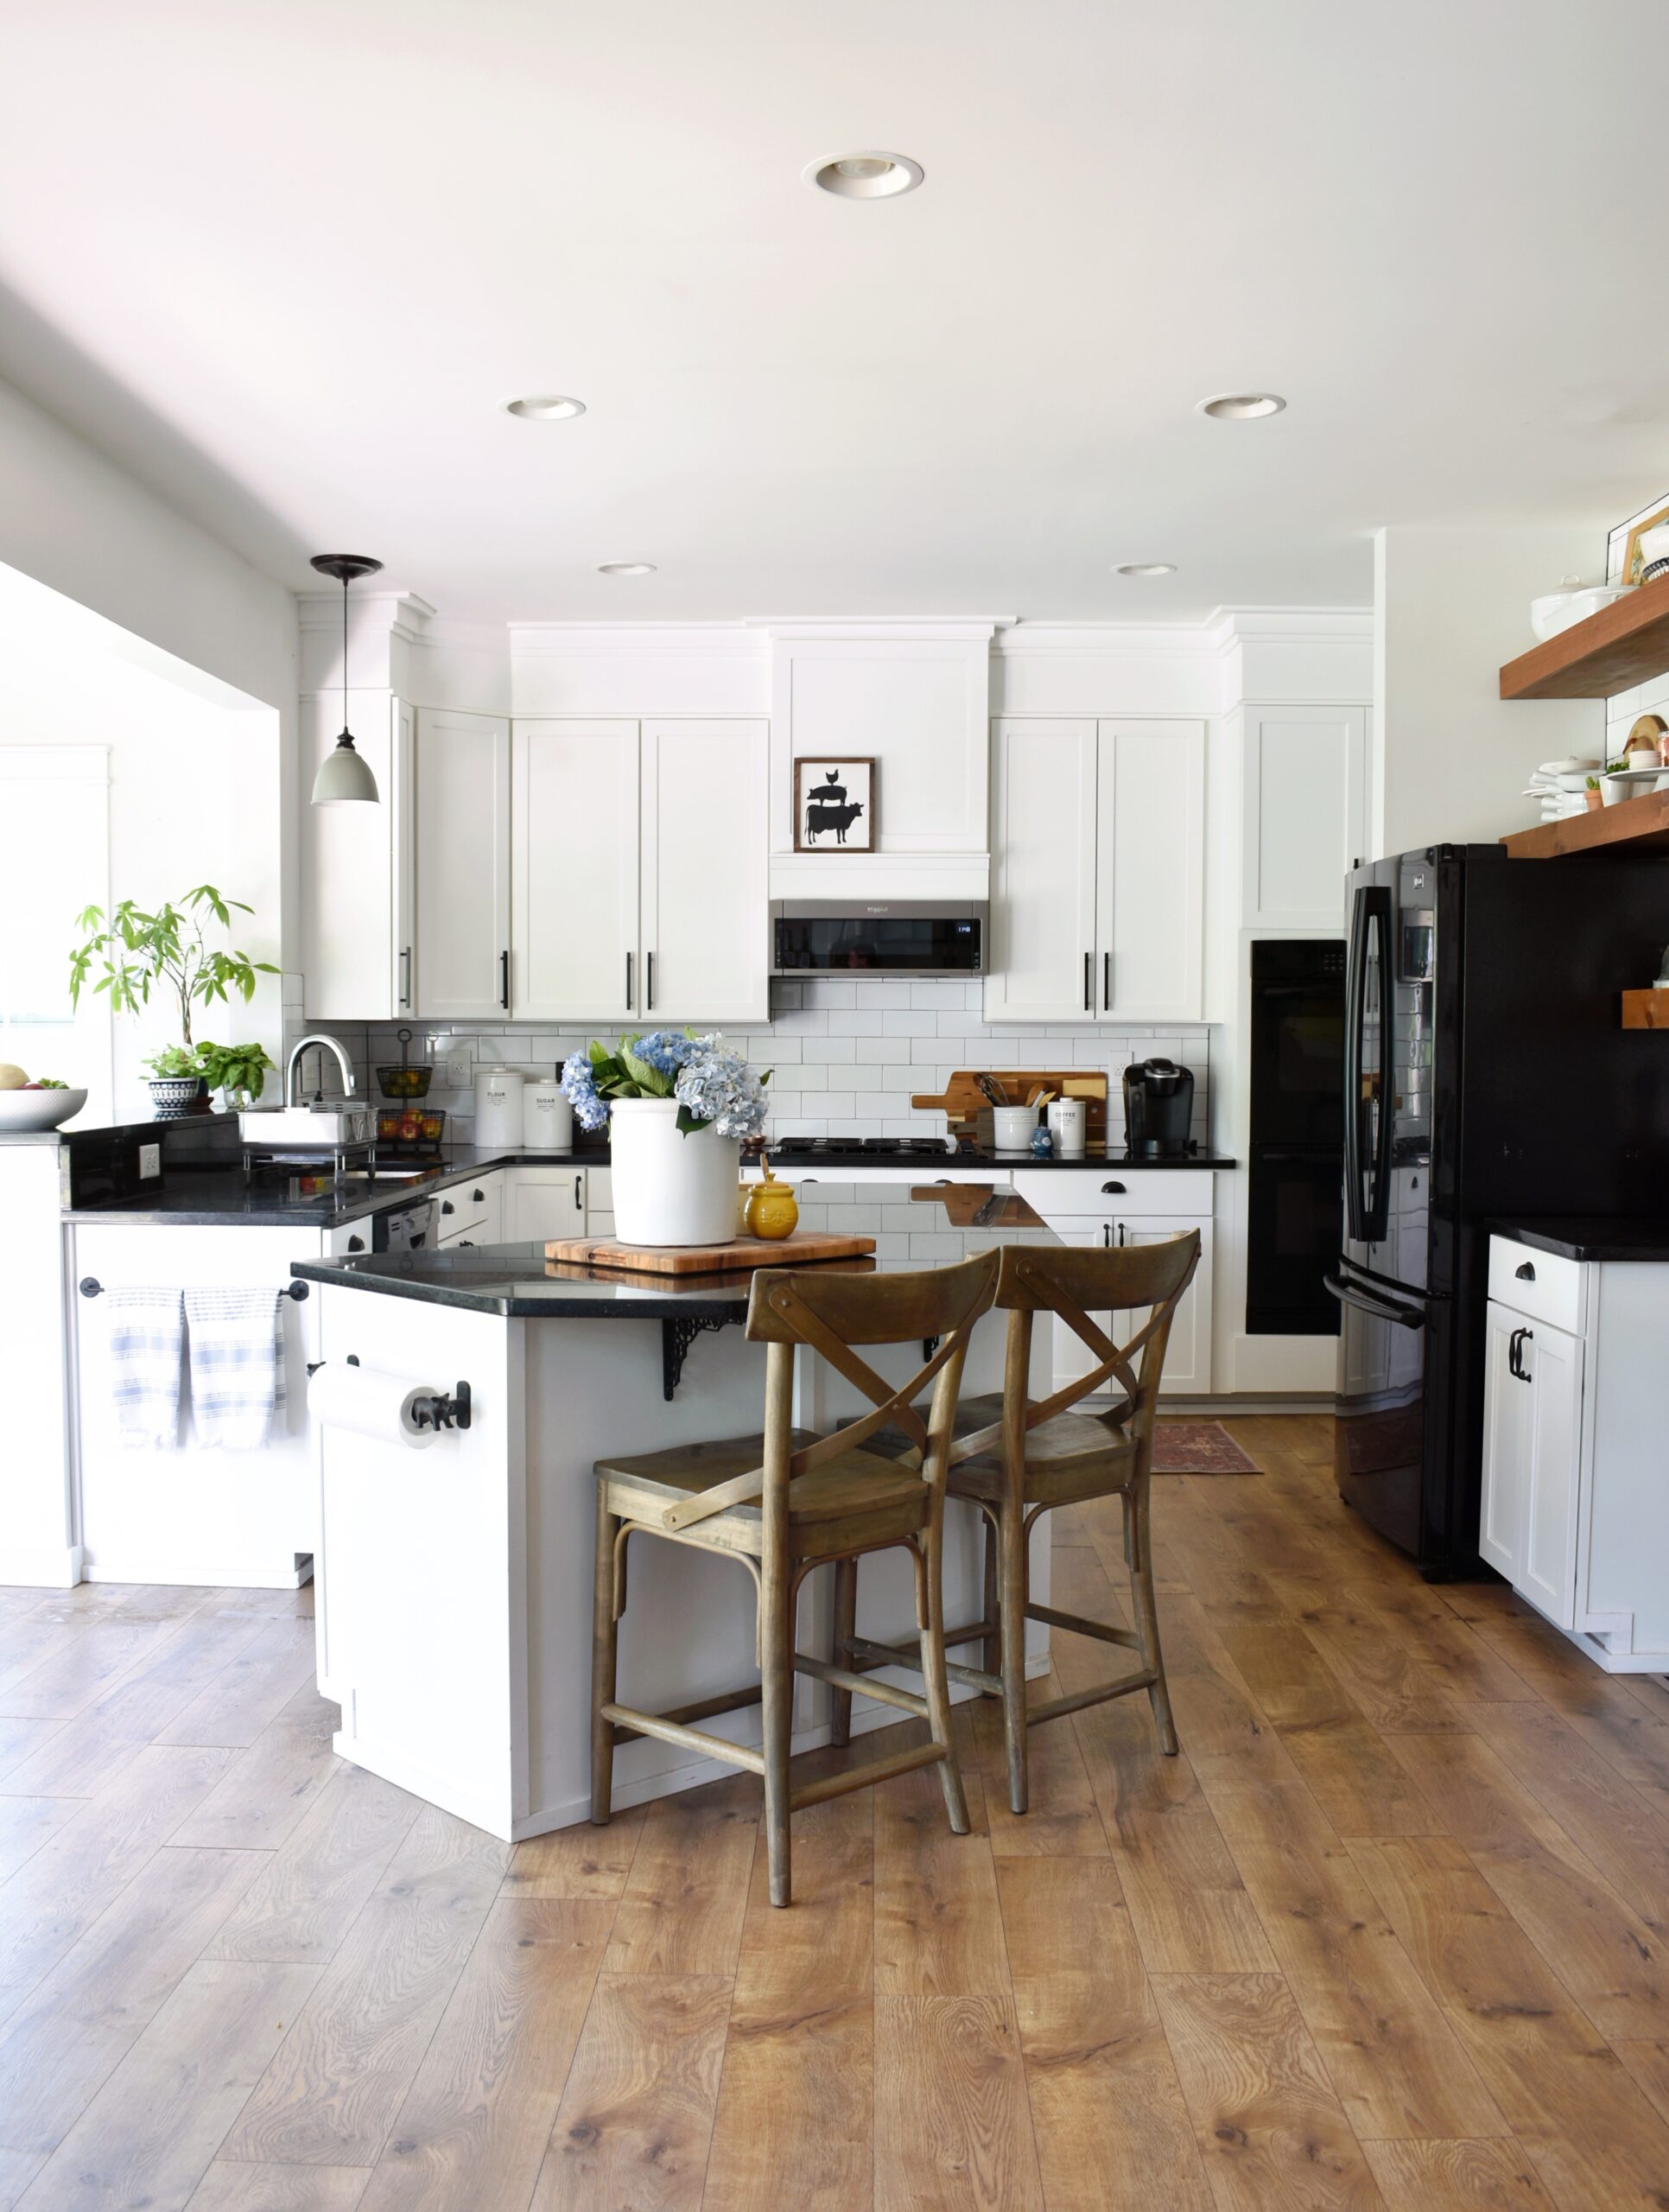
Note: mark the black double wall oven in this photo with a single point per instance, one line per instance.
(1296, 1162)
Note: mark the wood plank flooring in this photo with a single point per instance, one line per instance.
(1390, 1935)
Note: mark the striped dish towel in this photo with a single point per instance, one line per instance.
(146, 1330)
(237, 1365)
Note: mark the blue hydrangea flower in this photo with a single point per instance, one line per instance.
(716, 1085)
(577, 1085)
(664, 1050)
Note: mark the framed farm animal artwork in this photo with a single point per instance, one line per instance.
(833, 805)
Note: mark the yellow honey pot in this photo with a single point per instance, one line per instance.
(772, 1211)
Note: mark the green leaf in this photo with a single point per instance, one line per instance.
(689, 1124)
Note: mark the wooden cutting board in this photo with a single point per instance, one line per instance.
(969, 1110)
(742, 1252)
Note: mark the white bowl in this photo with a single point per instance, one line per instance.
(1558, 610)
(37, 1109)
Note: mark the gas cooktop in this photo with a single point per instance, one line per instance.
(871, 1148)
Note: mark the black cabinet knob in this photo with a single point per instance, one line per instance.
(355, 1243)
(1525, 1273)
(446, 1206)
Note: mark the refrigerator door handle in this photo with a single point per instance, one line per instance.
(1370, 1278)
(1368, 1181)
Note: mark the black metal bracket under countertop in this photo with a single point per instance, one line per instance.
(676, 1338)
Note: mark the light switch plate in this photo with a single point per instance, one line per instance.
(150, 1161)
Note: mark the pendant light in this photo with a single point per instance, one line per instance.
(343, 774)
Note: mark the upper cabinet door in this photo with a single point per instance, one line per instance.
(575, 952)
(357, 866)
(1150, 871)
(463, 865)
(705, 923)
(1305, 799)
(1043, 858)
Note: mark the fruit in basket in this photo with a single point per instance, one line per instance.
(12, 1078)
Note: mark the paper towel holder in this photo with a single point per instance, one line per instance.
(442, 1411)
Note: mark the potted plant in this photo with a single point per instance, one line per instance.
(239, 1072)
(137, 952)
(678, 1106)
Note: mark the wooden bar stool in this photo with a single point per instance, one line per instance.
(785, 1501)
(1015, 1460)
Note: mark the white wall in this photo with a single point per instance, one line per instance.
(194, 797)
(74, 520)
(1449, 607)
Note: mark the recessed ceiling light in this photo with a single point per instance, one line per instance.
(545, 407)
(1242, 406)
(865, 176)
(1147, 569)
(625, 568)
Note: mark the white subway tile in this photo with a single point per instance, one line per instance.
(859, 1021)
(935, 996)
(828, 1048)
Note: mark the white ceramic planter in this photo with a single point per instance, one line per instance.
(669, 1189)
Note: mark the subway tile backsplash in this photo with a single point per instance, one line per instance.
(846, 1057)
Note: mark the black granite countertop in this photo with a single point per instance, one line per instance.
(1574, 1237)
(518, 1282)
(853, 1157)
(209, 1197)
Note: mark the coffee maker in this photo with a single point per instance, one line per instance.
(1158, 1106)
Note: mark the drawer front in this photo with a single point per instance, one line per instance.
(1097, 1192)
(1541, 1286)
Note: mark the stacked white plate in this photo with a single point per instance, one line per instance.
(1562, 786)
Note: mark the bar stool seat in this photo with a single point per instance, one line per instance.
(1075, 1456)
(858, 1483)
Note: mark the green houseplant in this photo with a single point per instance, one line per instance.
(131, 952)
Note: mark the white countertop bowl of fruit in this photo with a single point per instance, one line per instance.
(26, 1105)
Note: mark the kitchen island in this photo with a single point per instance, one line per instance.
(455, 1610)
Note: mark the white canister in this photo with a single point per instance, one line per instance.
(1013, 1127)
(498, 1108)
(1069, 1124)
(547, 1117)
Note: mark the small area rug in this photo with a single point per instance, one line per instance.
(1198, 1448)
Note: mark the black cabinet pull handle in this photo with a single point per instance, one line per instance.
(649, 983)
(355, 1243)
(1525, 1273)
(478, 1197)
(578, 1194)
(1112, 1190)
(445, 1205)
(1088, 983)
(405, 975)
(504, 981)
(628, 982)
(1107, 982)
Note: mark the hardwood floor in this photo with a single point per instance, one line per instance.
(1391, 1933)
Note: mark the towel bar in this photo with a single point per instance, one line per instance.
(89, 1286)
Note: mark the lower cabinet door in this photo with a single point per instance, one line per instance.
(1186, 1371)
(1548, 1573)
(1508, 1429)
(543, 1202)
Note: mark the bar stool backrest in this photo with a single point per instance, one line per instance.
(1071, 1285)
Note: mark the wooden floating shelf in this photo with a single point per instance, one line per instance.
(1646, 1009)
(1634, 826)
(1621, 645)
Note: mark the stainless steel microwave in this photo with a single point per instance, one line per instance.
(879, 936)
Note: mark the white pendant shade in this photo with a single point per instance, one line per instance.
(343, 774)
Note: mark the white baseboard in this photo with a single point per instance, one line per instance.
(59, 1568)
(203, 1575)
(1248, 1401)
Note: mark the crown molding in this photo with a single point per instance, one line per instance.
(403, 613)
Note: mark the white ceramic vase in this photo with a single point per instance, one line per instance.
(669, 1188)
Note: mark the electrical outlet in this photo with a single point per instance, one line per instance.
(150, 1161)
(459, 1068)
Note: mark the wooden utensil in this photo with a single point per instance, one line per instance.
(964, 1101)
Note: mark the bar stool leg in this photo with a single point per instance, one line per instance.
(937, 1682)
(991, 1655)
(1011, 1597)
(846, 1627)
(605, 1652)
(1147, 1622)
(777, 1677)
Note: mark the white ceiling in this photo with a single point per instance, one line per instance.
(284, 258)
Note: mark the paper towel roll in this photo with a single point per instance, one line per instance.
(370, 1404)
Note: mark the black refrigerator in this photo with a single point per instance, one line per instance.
(1486, 1075)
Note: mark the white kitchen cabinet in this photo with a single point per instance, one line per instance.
(1303, 813)
(1096, 1206)
(541, 1202)
(1575, 1512)
(463, 950)
(358, 866)
(1098, 906)
(471, 1212)
(703, 899)
(574, 807)
(639, 871)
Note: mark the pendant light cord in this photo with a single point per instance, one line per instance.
(345, 666)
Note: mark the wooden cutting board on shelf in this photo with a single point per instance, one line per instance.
(801, 1249)
(963, 1102)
